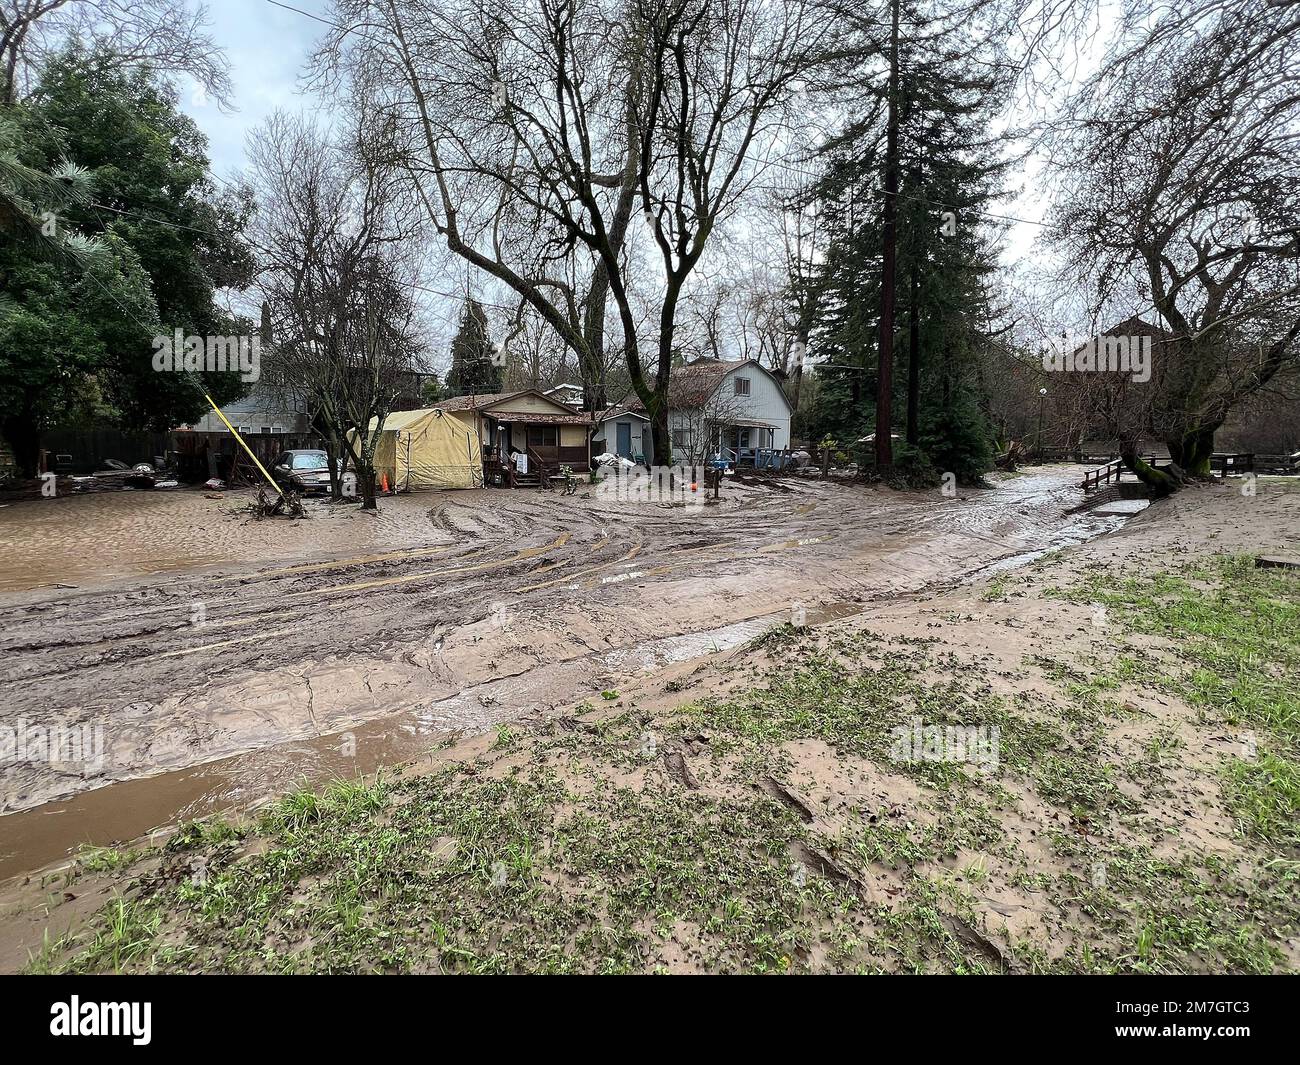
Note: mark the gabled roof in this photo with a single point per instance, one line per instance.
(487, 401)
(473, 402)
(490, 404)
(1133, 327)
(618, 410)
(692, 385)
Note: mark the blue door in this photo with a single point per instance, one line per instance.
(624, 439)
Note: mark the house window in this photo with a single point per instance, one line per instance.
(543, 436)
(681, 437)
(277, 428)
(245, 430)
(742, 386)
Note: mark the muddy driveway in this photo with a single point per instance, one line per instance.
(449, 611)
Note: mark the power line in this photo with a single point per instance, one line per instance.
(150, 218)
(327, 22)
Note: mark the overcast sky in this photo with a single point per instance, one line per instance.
(268, 45)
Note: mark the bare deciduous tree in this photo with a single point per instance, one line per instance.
(1184, 195)
(168, 35)
(337, 240)
(541, 131)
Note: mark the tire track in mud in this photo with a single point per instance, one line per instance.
(89, 607)
(589, 572)
(249, 603)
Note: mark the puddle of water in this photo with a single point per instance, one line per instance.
(1090, 526)
(130, 809)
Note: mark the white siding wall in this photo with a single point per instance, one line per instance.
(765, 402)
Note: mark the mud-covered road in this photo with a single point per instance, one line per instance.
(449, 610)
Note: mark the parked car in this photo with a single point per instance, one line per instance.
(304, 471)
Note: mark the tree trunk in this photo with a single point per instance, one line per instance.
(885, 366)
(798, 370)
(1192, 452)
(336, 476)
(1161, 482)
(592, 362)
(366, 478)
(661, 441)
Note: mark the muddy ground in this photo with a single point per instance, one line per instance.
(747, 810)
(192, 634)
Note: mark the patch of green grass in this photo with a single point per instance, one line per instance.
(1264, 795)
(105, 859)
(207, 832)
(1179, 915)
(871, 708)
(1235, 629)
(1236, 626)
(124, 935)
(995, 591)
(507, 738)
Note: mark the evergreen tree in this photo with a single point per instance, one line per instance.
(131, 243)
(474, 358)
(948, 168)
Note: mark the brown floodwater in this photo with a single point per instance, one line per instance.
(335, 646)
(104, 536)
(133, 809)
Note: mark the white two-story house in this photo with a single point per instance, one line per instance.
(717, 409)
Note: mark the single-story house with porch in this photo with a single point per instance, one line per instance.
(526, 436)
(717, 409)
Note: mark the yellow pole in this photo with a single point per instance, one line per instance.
(245, 446)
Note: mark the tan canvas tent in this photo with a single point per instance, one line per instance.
(428, 449)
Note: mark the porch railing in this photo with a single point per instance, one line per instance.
(544, 470)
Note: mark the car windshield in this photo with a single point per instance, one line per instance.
(312, 460)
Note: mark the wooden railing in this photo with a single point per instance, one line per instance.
(543, 463)
(1102, 475)
(545, 470)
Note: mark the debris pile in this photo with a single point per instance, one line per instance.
(288, 505)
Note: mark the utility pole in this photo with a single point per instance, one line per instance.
(914, 356)
(885, 365)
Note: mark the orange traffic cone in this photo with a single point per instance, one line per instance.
(383, 482)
